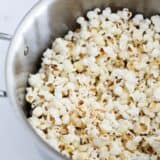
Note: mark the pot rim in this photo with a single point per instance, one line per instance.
(10, 82)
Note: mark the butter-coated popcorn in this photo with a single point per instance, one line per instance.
(97, 93)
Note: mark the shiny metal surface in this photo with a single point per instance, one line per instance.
(4, 36)
(47, 20)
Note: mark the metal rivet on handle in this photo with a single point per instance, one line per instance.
(5, 36)
(3, 93)
(26, 51)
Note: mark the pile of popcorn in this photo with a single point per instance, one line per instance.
(97, 93)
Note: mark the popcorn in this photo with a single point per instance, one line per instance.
(156, 94)
(68, 67)
(41, 133)
(138, 96)
(156, 21)
(76, 50)
(106, 12)
(115, 148)
(31, 94)
(109, 51)
(155, 142)
(123, 42)
(133, 111)
(58, 92)
(82, 22)
(144, 25)
(54, 143)
(97, 93)
(156, 53)
(34, 121)
(118, 90)
(114, 17)
(103, 152)
(106, 126)
(37, 112)
(155, 107)
(47, 95)
(124, 126)
(56, 115)
(133, 144)
(125, 14)
(60, 46)
(93, 14)
(137, 19)
(71, 138)
(148, 36)
(138, 35)
(99, 142)
(94, 23)
(48, 53)
(33, 79)
(92, 50)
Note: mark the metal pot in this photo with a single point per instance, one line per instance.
(46, 20)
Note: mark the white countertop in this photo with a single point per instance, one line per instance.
(14, 142)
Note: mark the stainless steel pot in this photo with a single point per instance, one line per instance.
(46, 20)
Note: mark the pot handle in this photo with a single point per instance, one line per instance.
(4, 36)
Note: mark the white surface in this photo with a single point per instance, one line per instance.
(14, 141)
